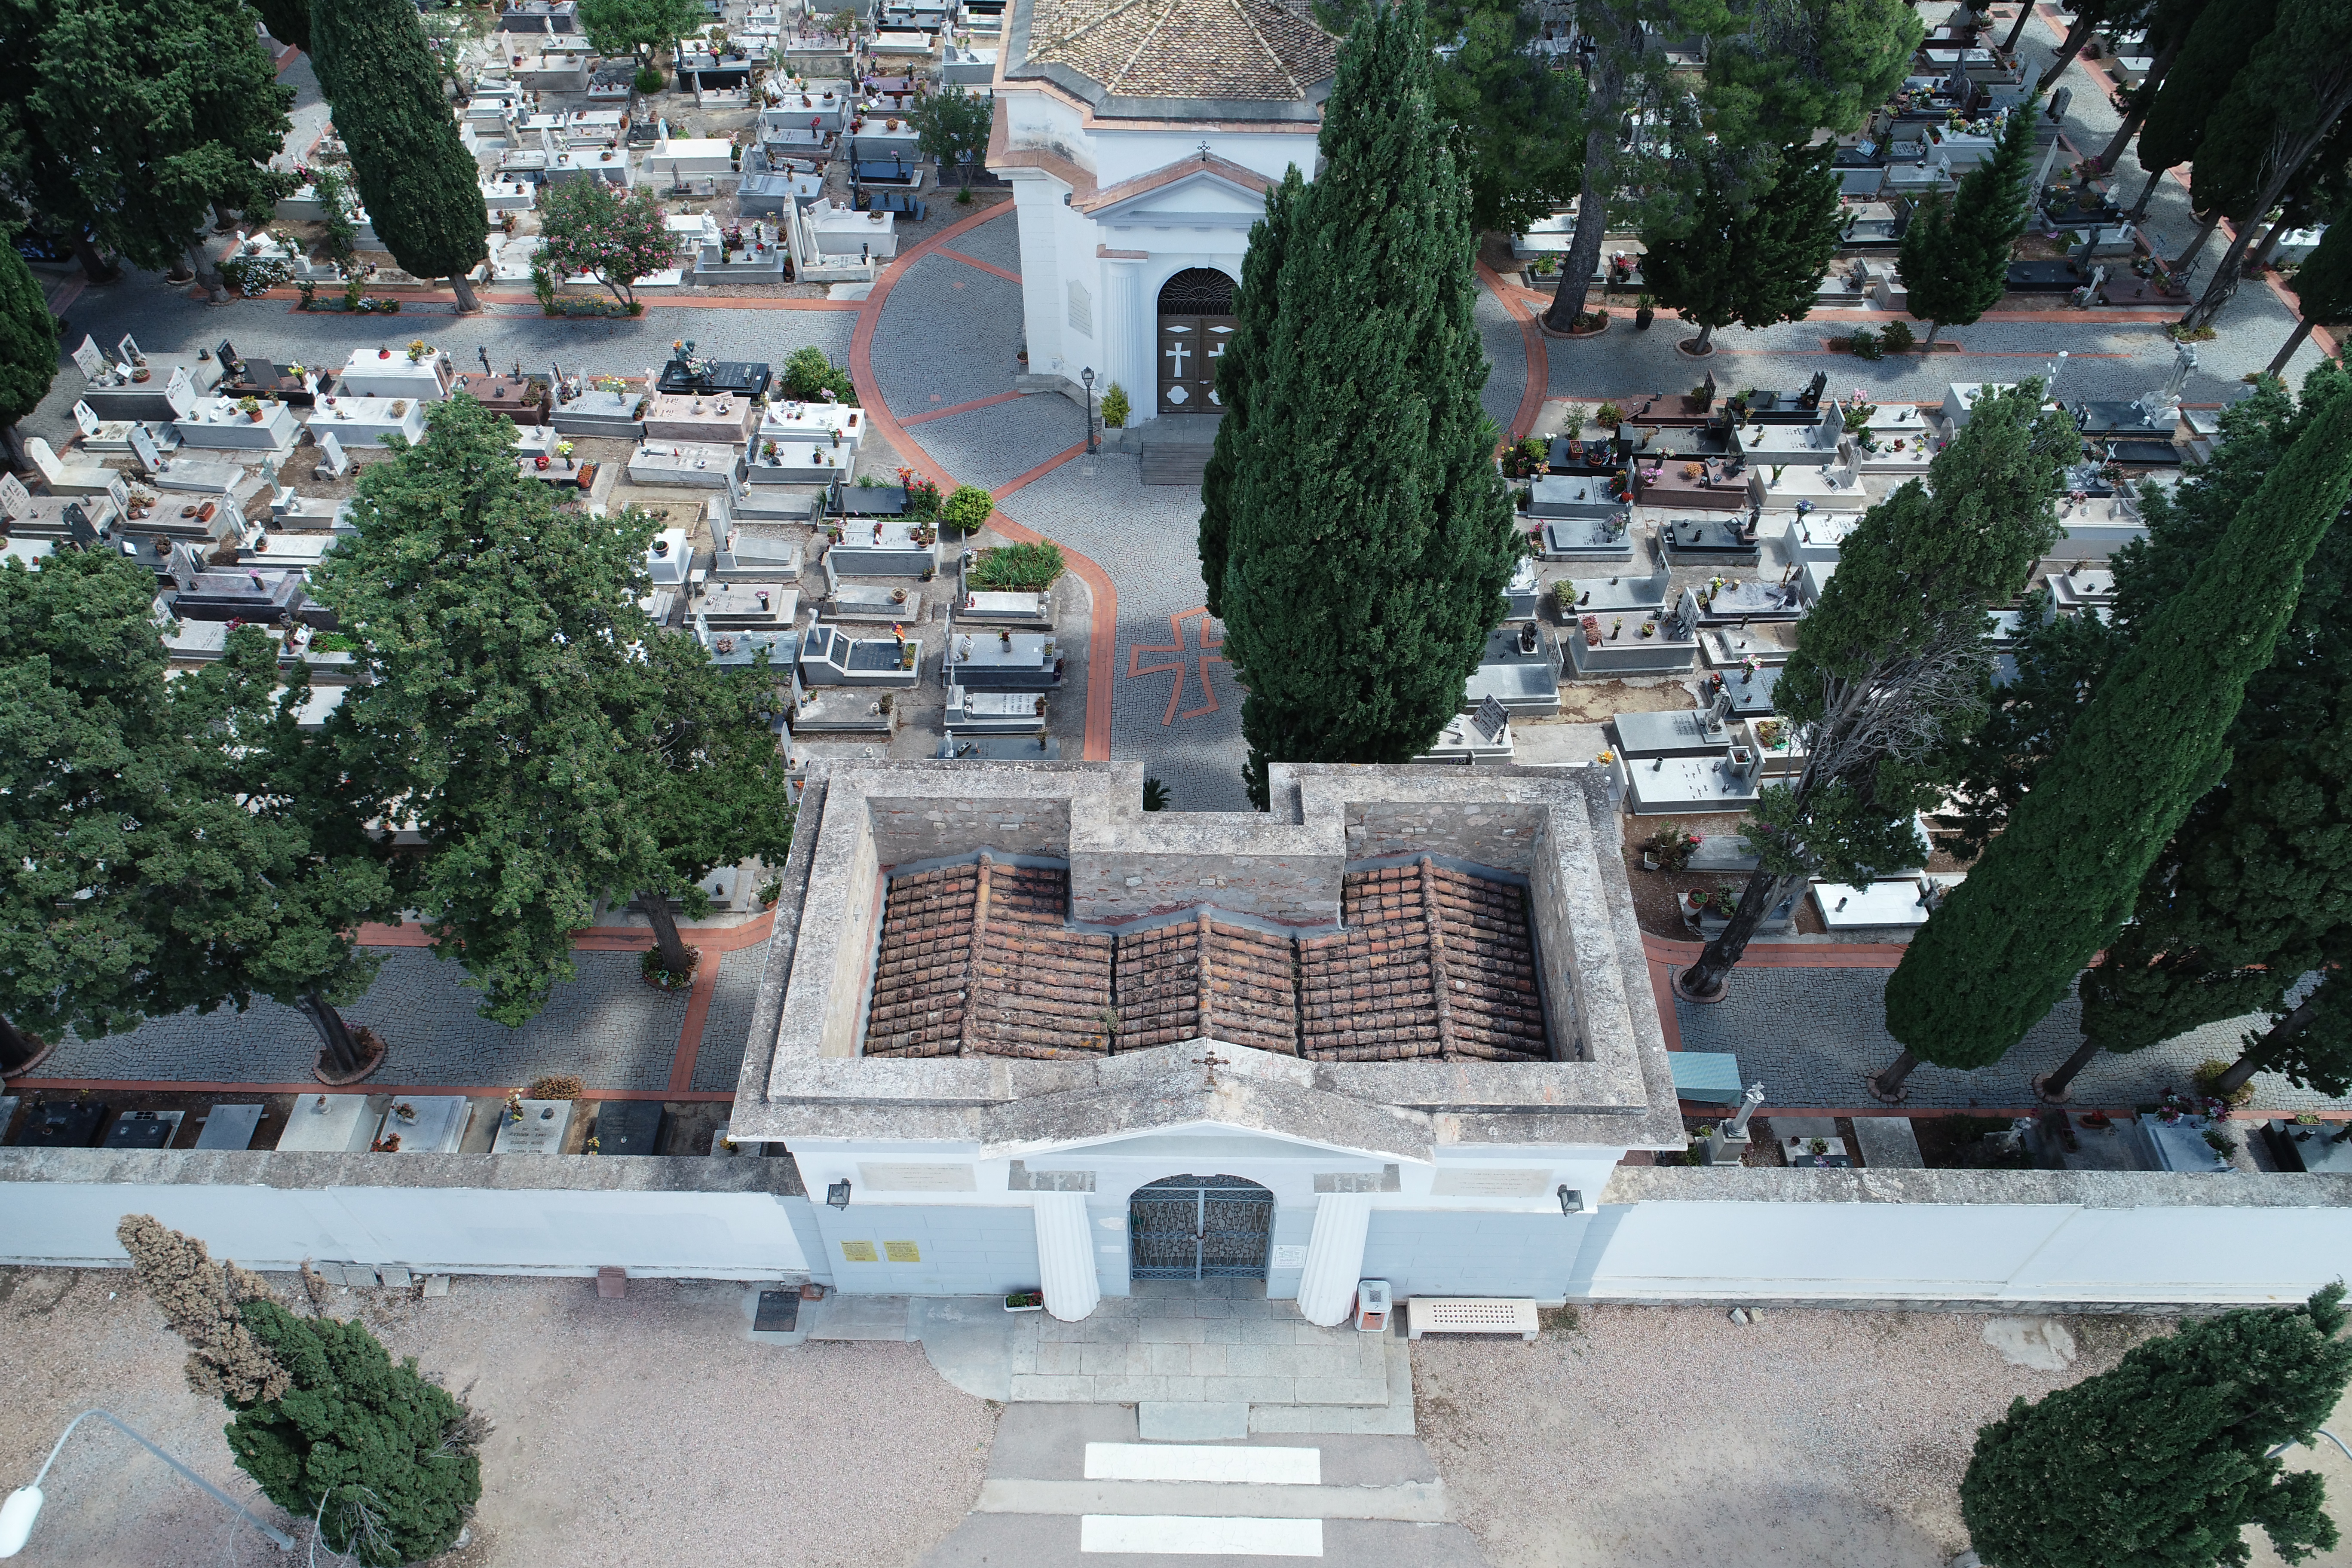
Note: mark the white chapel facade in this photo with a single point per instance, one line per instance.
(1140, 138)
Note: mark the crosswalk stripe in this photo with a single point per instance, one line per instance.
(1203, 1462)
(1173, 1535)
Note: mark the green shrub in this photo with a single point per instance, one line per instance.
(1865, 344)
(968, 509)
(1900, 338)
(809, 376)
(1607, 416)
(648, 80)
(1018, 568)
(1155, 796)
(1115, 407)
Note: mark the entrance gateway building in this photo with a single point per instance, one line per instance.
(1018, 1032)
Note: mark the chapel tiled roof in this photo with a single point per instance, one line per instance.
(1245, 49)
(1432, 962)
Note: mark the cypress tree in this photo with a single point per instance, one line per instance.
(1955, 257)
(2218, 44)
(1369, 537)
(2164, 1461)
(1789, 236)
(420, 185)
(2054, 886)
(29, 345)
(2311, 1045)
(1238, 369)
(1696, 270)
(2168, 33)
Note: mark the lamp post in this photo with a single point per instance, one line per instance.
(1087, 375)
(23, 1504)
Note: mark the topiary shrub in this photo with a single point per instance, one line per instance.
(1115, 407)
(968, 509)
(383, 1460)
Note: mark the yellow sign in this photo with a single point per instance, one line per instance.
(901, 1252)
(858, 1252)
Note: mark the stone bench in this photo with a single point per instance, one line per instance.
(1471, 1315)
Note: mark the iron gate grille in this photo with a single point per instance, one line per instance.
(1200, 1228)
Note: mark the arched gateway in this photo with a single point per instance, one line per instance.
(1200, 1227)
(1196, 321)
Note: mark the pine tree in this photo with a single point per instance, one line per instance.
(1514, 119)
(328, 1425)
(1238, 369)
(1696, 270)
(2056, 884)
(1369, 537)
(1892, 662)
(2164, 1461)
(2218, 44)
(1955, 257)
(138, 118)
(421, 187)
(2322, 285)
(28, 346)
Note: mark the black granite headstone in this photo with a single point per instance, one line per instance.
(779, 1313)
(628, 1126)
(71, 1126)
(138, 1129)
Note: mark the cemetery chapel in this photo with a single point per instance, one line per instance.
(1140, 138)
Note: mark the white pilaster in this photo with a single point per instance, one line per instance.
(1066, 1255)
(1125, 333)
(1335, 1257)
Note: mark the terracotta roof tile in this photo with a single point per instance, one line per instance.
(1242, 50)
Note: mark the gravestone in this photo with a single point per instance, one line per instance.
(336, 463)
(87, 418)
(628, 1127)
(127, 351)
(54, 1126)
(535, 1127)
(142, 447)
(143, 1130)
(90, 358)
(230, 1127)
(79, 527)
(15, 499)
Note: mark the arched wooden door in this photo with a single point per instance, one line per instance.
(1196, 321)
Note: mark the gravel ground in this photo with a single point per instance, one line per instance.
(648, 1430)
(1654, 1437)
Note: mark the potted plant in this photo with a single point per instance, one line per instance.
(1645, 310)
(1817, 1147)
(250, 408)
(141, 373)
(1025, 1302)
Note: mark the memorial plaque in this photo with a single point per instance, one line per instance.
(87, 418)
(118, 490)
(127, 351)
(1287, 1258)
(779, 1313)
(74, 1126)
(859, 1252)
(902, 1252)
(1475, 1183)
(142, 1130)
(181, 394)
(8, 1104)
(914, 1178)
(535, 1127)
(628, 1127)
(230, 1127)
(90, 358)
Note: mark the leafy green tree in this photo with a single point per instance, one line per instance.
(1369, 538)
(327, 1425)
(1784, 71)
(421, 187)
(2218, 44)
(1239, 368)
(1755, 262)
(2066, 871)
(587, 226)
(714, 778)
(1955, 255)
(29, 345)
(2322, 285)
(952, 128)
(86, 778)
(268, 869)
(137, 119)
(1892, 661)
(2168, 34)
(1513, 118)
(1697, 269)
(637, 27)
(2164, 1461)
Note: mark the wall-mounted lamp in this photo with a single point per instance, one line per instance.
(1572, 1201)
(837, 1196)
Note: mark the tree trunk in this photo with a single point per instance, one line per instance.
(208, 276)
(1760, 898)
(2282, 169)
(1933, 328)
(667, 942)
(466, 304)
(1889, 1083)
(17, 1049)
(12, 440)
(94, 265)
(2244, 1069)
(2052, 1085)
(1706, 339)
(341, 1052)
(2139, 208)
(2188, 258)
(2142, 102)
(1604, 108)
(2076, 37)
(2024, 14)
(2302, 331)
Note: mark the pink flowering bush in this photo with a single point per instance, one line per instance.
(588, 226)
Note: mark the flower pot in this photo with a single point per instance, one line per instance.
(383, 354)
(141, 373)
(541, 462)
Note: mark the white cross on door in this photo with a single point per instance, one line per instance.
(1178, 352)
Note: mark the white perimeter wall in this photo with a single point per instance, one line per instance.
(434, 1230)
(1990, 1253)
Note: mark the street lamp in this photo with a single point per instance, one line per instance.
(1087, 375)
(23, 1504)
